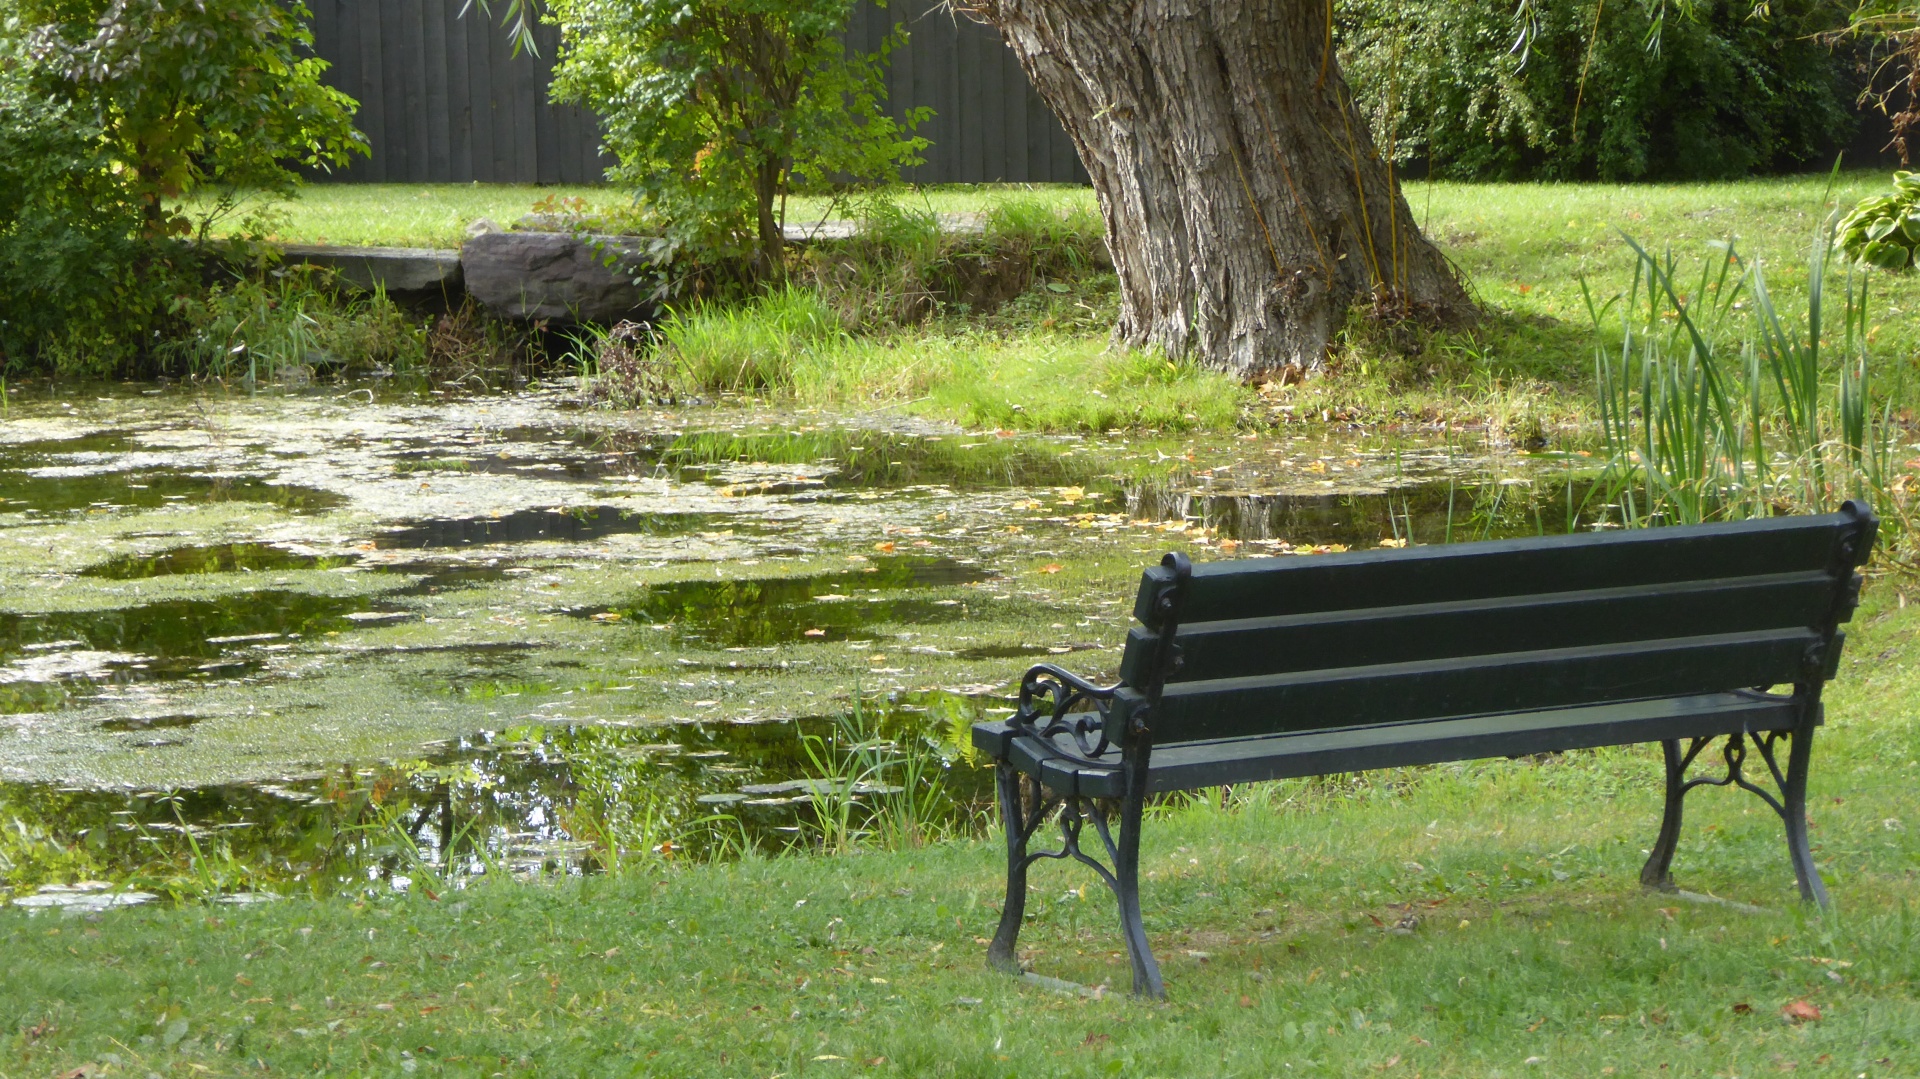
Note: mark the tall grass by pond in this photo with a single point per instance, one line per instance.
(1716, 403)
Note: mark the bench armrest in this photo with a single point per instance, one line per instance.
(1048, 697)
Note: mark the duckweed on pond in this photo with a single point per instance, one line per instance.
(512, 563)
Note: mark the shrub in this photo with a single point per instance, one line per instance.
(1883, 230)
(69, 230)
(718, 109)
(1573, 89)
(108, 110)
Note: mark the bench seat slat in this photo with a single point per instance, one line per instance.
(1396, 745)
(1299, 642)
(1258, 587)
(1517, 681)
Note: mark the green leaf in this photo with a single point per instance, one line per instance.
(1887, 256)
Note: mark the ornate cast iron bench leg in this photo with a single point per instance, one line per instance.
(1794, 813)
(1790, 805)
(1126, 889)
(1657, 873)
(1025, 806)
(1021, 817)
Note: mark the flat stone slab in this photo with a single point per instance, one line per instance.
(397, 269)
(796, 232)
(556, 276)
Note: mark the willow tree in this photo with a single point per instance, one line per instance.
(1246, 206)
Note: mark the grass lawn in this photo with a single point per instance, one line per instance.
(1533, 951)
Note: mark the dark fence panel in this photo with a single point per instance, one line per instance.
(443, 98)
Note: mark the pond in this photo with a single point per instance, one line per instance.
(341, 639)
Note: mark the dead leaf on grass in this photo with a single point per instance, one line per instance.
(1800, 1011)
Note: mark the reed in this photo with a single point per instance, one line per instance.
(1716, 403)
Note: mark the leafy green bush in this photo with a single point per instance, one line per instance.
(108, 110)
(69, 229)
(1884, 229)
(1581, 89)
(718, 109)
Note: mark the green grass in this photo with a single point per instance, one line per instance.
(1535, 954)
(436, 215)
(789, 345)
(1043, 362)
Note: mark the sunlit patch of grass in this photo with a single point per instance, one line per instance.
(786, 346)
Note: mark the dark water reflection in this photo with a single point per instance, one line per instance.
(524, 800)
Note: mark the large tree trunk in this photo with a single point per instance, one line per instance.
(1245, 204)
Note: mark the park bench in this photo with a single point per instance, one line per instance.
(1275, 668)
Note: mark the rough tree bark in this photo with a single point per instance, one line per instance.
(1246, 206)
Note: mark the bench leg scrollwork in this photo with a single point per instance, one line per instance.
(1790, 804)
(1025, 806)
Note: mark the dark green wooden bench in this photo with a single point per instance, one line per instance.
(1271, 668)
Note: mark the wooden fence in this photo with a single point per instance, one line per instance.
(443, 98)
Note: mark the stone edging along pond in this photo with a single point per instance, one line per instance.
(520, 275)
(532, 274)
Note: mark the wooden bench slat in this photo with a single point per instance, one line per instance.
(1265, 587)
(1400, 634)
(1206, 764)
(1518, 681)
(1255, 759)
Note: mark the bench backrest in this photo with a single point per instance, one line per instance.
(1309, 643)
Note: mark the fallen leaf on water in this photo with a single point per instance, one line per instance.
(1800, 1011)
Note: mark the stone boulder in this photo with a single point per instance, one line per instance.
(403, 271)
(556, 276)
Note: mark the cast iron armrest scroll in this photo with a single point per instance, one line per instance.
(1050, 694)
